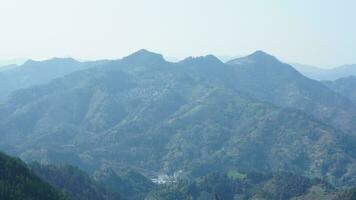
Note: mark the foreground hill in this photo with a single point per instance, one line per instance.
(198, 115)
(73, 182)
(18, 182)
(105, 184)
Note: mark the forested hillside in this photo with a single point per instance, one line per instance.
(195, 116)
(73, 182)
(17, 182)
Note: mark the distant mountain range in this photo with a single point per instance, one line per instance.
(18, 61)
(33, 73)
(197, 116)
(326, 74)
(345, 86)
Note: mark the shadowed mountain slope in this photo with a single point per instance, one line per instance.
(17, 181)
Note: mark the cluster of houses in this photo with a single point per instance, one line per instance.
(164, 178)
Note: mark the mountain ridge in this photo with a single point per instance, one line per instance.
(122, 110)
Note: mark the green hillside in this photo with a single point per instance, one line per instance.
(17, 182)
(145, 113)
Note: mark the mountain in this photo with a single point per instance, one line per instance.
(73, 182)
(345, 86)
(194, 117)
(17, 181)
(326, 74)
(252, 185)
(33, 73)
(263, 77)
(144, 58)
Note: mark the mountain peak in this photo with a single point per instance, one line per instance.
(259, 53)
(256, 57)
(208, 59)
(30, 62)
(144, 51)
(262, 56)
(144, 57)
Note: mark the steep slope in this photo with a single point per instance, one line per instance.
(265, 78)
(344, 86)
(38, 72)
(73, 182)
(196, 116)
(18, 182)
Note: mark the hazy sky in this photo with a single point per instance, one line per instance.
(319, 32)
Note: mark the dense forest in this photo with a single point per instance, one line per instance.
(70, 183)
(17, 182)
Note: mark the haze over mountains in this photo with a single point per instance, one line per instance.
(33, 73)
(345, 86)
(19, 61)
(326, 74)
(192, 118)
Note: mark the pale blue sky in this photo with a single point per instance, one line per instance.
(318, 32)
